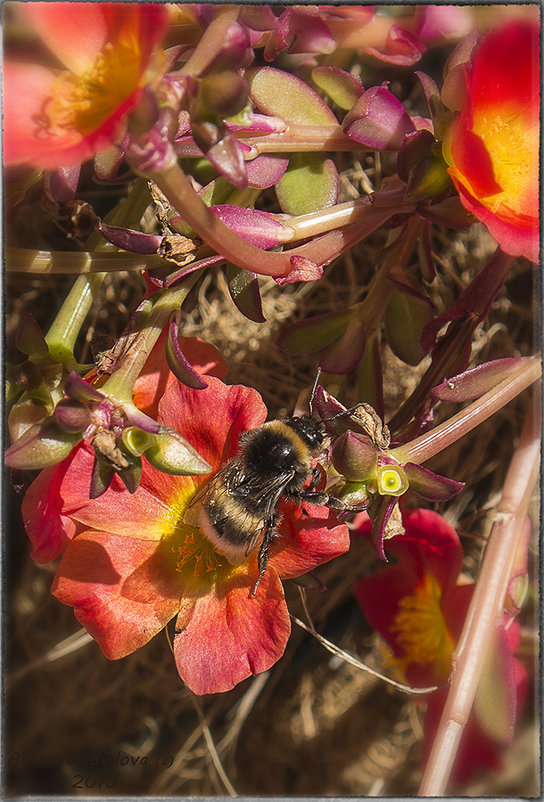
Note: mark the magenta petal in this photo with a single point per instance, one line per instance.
(228, 635)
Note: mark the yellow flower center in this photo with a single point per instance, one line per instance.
(84, 102)
(421, 629)
(195, 557)
(513, 147)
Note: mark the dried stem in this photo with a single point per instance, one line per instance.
(486, 605)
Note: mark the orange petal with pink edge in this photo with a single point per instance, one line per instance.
(26, 87)
(123, 590)
(306, 540)
(145, 514)
(212, 419)
(157, 376)
(228, 635)
(73, 32)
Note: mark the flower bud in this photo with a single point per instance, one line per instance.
(29, 338)
(378, 120)
(171, 453)
(354, 495)
(72, 416)
(44, 444)
(355, 456)
(392, 480)
(223, 94)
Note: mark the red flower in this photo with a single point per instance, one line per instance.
(59, 117)
(493, 146)
(136, 561)
(418, 607)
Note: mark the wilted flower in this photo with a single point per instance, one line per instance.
(493, 145)
(138, 560)
(58, 117)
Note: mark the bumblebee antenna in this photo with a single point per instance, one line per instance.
(312, 394)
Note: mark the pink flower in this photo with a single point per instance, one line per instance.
(493, 145)
(137, 561)
(59, 117)
(418, 606)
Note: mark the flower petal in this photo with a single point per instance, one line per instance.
(307, 539)
(229, 634)
(48, 529)
(156, 376)
(75, 34)
(123, 590)
(212, 419)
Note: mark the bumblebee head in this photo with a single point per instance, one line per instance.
(309, 430)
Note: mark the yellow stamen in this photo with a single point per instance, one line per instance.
(84, 102)
(196, 557)
(421, 629)
(513, 147)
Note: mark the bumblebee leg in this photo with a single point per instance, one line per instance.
(262, 559)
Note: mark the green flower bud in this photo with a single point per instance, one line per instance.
(355, 456)
(172, 454)
(44, 444)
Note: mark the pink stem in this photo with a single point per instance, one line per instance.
(321, 250)
(486, 606)
(436, 440)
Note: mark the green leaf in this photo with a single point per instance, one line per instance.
(342, 87)
(309, 184)
(406, 315)
(314, 334)
(283, 95)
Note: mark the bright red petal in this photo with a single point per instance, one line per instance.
(473, 166)
(123, 590)
(307, 539)
(506, 68)
(144, 514)
(48, 529)
(228, 635)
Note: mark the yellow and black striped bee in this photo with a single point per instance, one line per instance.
(275, 460)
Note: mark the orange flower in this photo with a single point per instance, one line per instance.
(59, 117)
(493, 146)
(132, 562)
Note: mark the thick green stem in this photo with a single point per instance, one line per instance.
(120, 384)
(435, 441)
(62, 335)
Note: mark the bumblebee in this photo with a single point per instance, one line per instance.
(239, 507)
